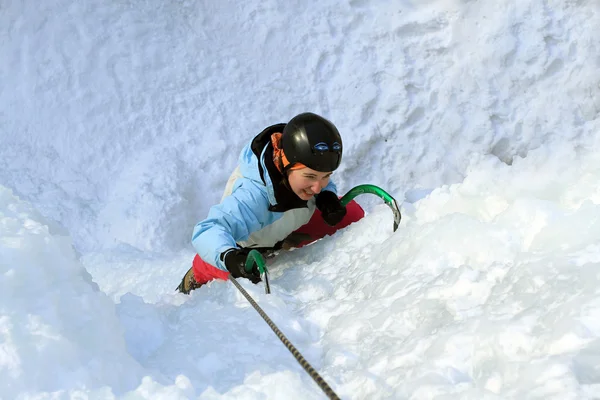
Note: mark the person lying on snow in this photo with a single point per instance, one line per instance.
(280, 196)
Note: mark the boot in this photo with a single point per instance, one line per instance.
(188, 283)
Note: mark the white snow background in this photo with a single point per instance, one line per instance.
(121, 120)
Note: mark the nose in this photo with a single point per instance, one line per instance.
(316, 187)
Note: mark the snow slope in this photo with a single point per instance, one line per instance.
(120, 123)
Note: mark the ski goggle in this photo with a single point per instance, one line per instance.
(323, 147)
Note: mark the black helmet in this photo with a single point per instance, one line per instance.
(313, 141)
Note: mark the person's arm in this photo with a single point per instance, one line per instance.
(234, 219)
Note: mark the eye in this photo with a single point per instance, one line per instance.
(337, 147)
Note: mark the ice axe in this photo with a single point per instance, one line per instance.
(387, 198)
(254, 257)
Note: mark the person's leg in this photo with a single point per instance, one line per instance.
(316, 228)
(200, 273)
(204, 272)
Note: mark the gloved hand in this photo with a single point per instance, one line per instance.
(235, 262)
(331, 208)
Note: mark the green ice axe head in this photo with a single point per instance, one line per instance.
(387, 198)
(254, 257)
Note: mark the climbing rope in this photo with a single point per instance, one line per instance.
(307, 367)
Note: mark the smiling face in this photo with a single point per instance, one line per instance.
(306, 182)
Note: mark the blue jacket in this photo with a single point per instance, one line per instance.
(251, 206)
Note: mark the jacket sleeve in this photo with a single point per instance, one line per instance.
(234, 219)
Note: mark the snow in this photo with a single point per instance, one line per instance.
(120, 123)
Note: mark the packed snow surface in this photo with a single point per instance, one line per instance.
(120, 123)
